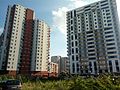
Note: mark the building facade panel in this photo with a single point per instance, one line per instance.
(96, 33)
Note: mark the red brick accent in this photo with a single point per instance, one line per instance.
(12, 73)
(53, 74)
(27, 43)
(40, 73)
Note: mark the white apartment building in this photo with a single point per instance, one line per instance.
(41, 44)
(25, 43)
(13, 32)
(93, 37)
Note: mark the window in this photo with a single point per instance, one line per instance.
(110, 63)
(108, 17)
(110, 57)
(117, 69)
(108, 28)
(76, 43)
(110, 24)
(108, 32)
(72, 44)
(113, 52)
(92, 54)
(110, 48)
(105, 7)
(109, 44)
(88, 32)
(109, 36)
(73, 68)
(103, 1)
(92, 58)
(76, 50)
(91, 46)
(90, 43)
(72, 37)
(116, 62)
(71, 27)
(72, 50)
(107, 13)
(77, 64)
(109, 40)
(91, 50)
(90, 39)
(71, 21)
(75, 36)
(76, 57)
(72, 57)
(108, 20)
(95, 66)
(89, 35)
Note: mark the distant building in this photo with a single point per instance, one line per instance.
(63, 63)
(26, 43)
(93, 37)
(53, 69)
(56, 59)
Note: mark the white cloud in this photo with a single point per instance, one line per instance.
(59, 19)
(118, 7)
(1, 30)
(59, 15)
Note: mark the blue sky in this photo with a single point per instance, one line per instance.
(53, 13)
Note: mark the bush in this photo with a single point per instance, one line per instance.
(102, 82)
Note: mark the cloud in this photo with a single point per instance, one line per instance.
(59, 19)
(59, 15)
(1, 30)
(118, 8)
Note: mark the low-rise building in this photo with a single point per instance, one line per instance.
(53, 69)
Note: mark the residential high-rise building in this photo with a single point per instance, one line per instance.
(93, 38)
(20, 36)
(40, 48)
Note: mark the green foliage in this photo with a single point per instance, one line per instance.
(102, 82)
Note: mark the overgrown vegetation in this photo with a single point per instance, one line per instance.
(102, 82)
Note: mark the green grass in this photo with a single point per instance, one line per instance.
(103, 82)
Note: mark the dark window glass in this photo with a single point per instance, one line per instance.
(92, 58)
(116, 62)
(73, 58)
(76, 57)
(110, 57)
(72, 50)
(110, 44)
(110, 48)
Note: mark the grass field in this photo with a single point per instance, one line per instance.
(102, 82)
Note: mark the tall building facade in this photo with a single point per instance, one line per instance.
(18, 41)
(93, 37)
(40, 48)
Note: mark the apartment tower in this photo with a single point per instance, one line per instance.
(93, 38)
(40, 49)
(18, 41)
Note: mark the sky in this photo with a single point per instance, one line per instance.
(53, 12)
